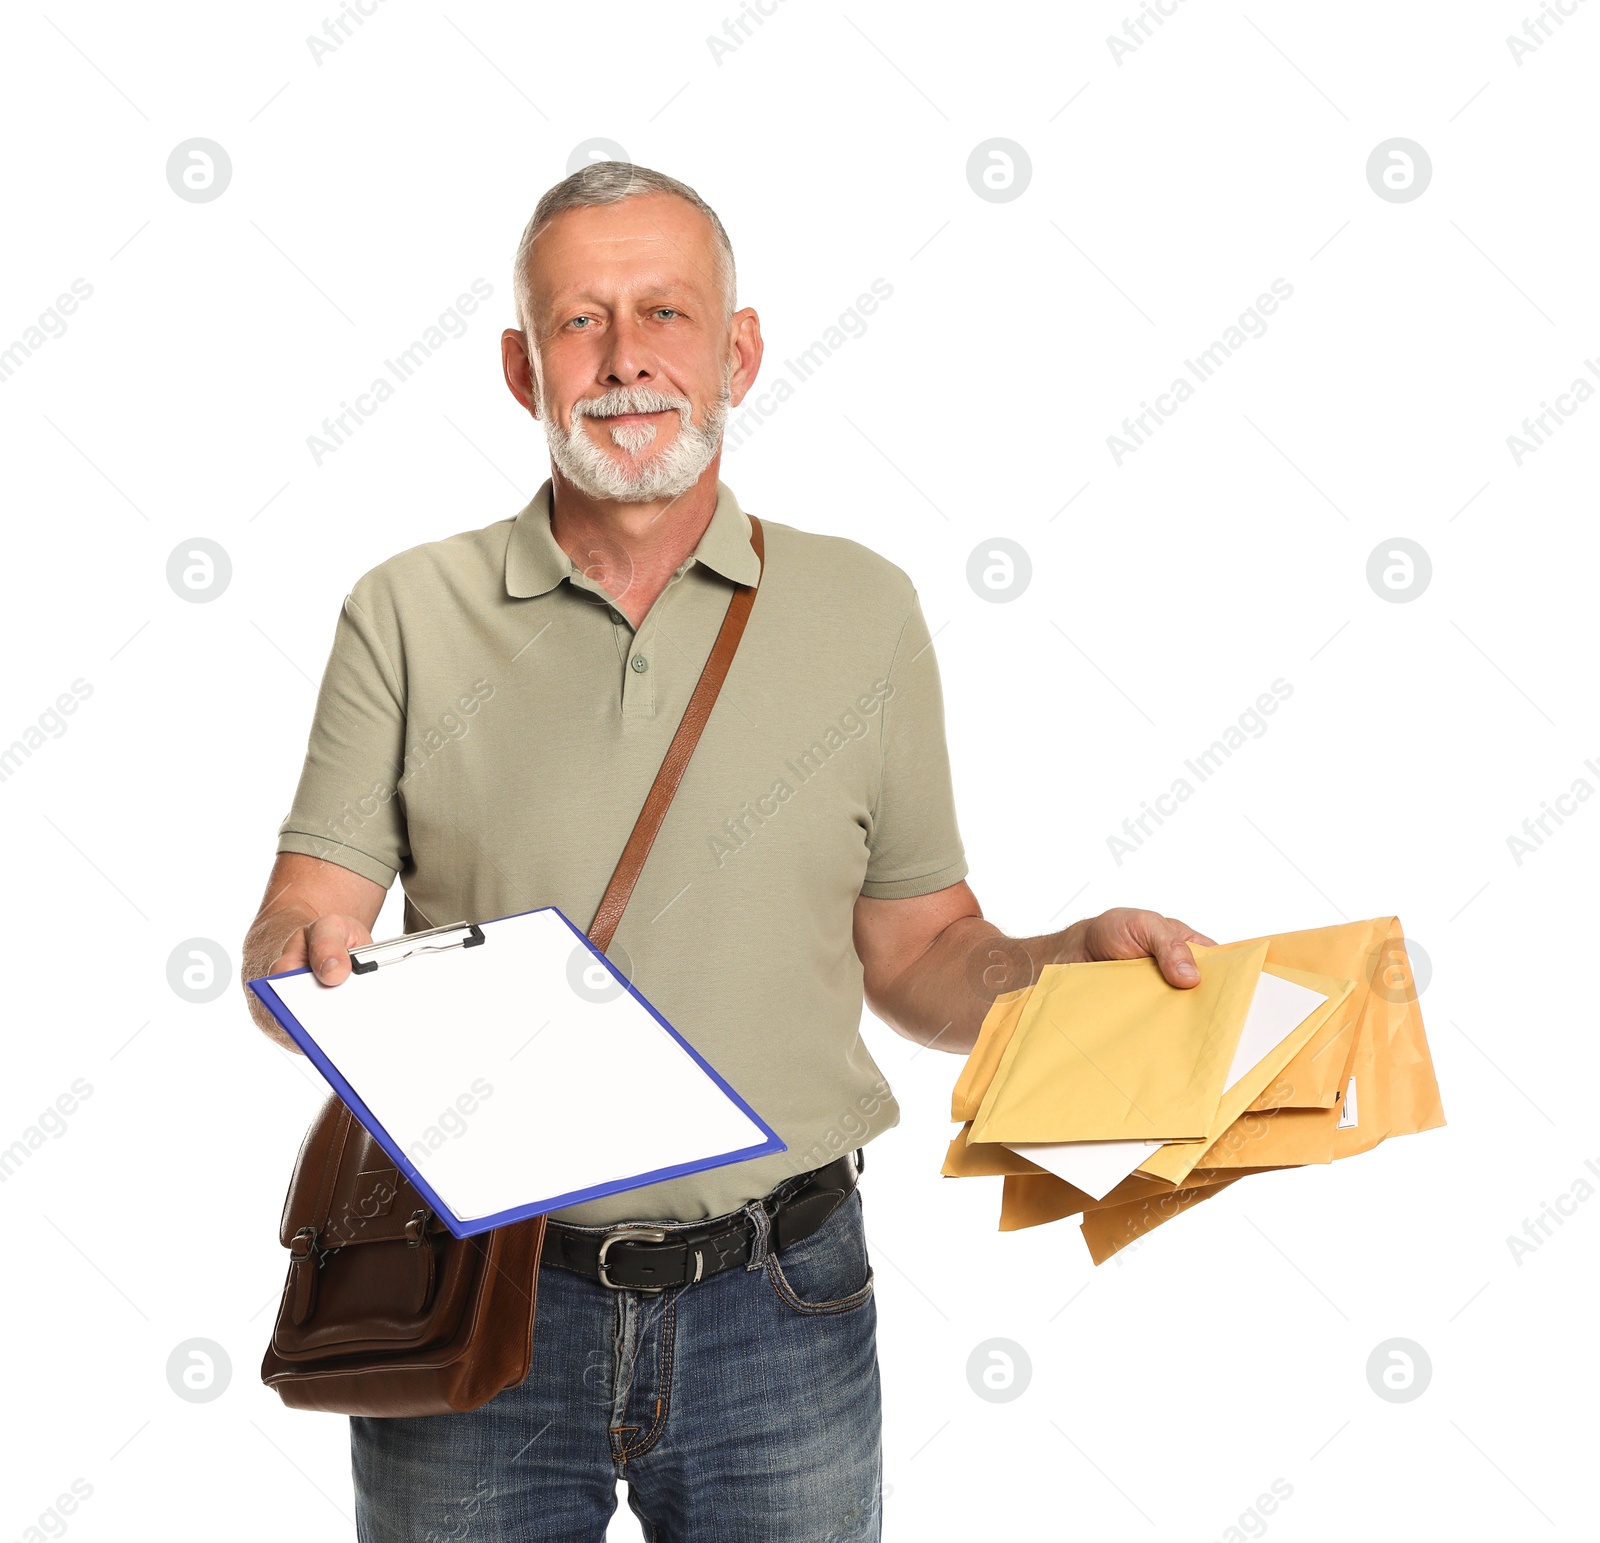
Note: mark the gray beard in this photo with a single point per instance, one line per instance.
(598, 474)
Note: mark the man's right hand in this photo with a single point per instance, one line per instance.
(312, 914)
(325, 945)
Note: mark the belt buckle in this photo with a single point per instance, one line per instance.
(627, 1235)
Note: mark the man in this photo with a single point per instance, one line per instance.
(493, 712)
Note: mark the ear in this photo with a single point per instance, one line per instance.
(518, 367)
(745, 349)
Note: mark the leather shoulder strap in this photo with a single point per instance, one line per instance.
(656, 804)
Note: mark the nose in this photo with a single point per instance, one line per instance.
(627, 360)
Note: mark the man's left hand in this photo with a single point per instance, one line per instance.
(1125, 933)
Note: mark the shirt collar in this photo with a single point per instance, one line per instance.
(535, 562)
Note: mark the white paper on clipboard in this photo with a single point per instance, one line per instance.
(521, 1075)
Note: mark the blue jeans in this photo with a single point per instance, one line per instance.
(741, 1409)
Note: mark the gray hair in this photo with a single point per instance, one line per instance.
(610, 182)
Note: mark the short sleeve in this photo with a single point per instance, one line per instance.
(347, 808)
(914, 844)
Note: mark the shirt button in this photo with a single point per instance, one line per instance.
(640, 664)
(618, 617)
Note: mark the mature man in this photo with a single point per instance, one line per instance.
(492, 715)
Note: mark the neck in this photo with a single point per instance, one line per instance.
(631, 550)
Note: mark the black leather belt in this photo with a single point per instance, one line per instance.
(641, 1257)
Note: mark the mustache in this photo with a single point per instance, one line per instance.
(630, 399)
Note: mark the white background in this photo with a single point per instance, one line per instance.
(1172, 1386)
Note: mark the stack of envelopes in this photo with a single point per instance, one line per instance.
(1101, 1090)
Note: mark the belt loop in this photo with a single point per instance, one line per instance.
(757, 1212)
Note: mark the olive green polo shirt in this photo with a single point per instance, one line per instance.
(489, 724)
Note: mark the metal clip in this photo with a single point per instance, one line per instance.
(430, 942)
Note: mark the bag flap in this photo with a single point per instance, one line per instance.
(346, 1188)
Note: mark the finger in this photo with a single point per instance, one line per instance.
(329, 942)
(1177, 965)
(293, 956)
(1168, 942)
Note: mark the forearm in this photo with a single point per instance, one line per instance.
(935, 972)
(942, 997)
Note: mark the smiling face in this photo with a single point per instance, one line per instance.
(634, 362)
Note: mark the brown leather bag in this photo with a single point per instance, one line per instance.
(385, 1312)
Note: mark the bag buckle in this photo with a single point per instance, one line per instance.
(629, 1235)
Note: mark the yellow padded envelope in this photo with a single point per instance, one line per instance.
(1374, 1039)
(983, 1159)
(999, 1023)
(1314, 1079)
(1109, 1229)
(1397, 1090)
(1177, 1159)
(1108, 1051)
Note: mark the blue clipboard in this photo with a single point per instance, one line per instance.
(479, 940)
